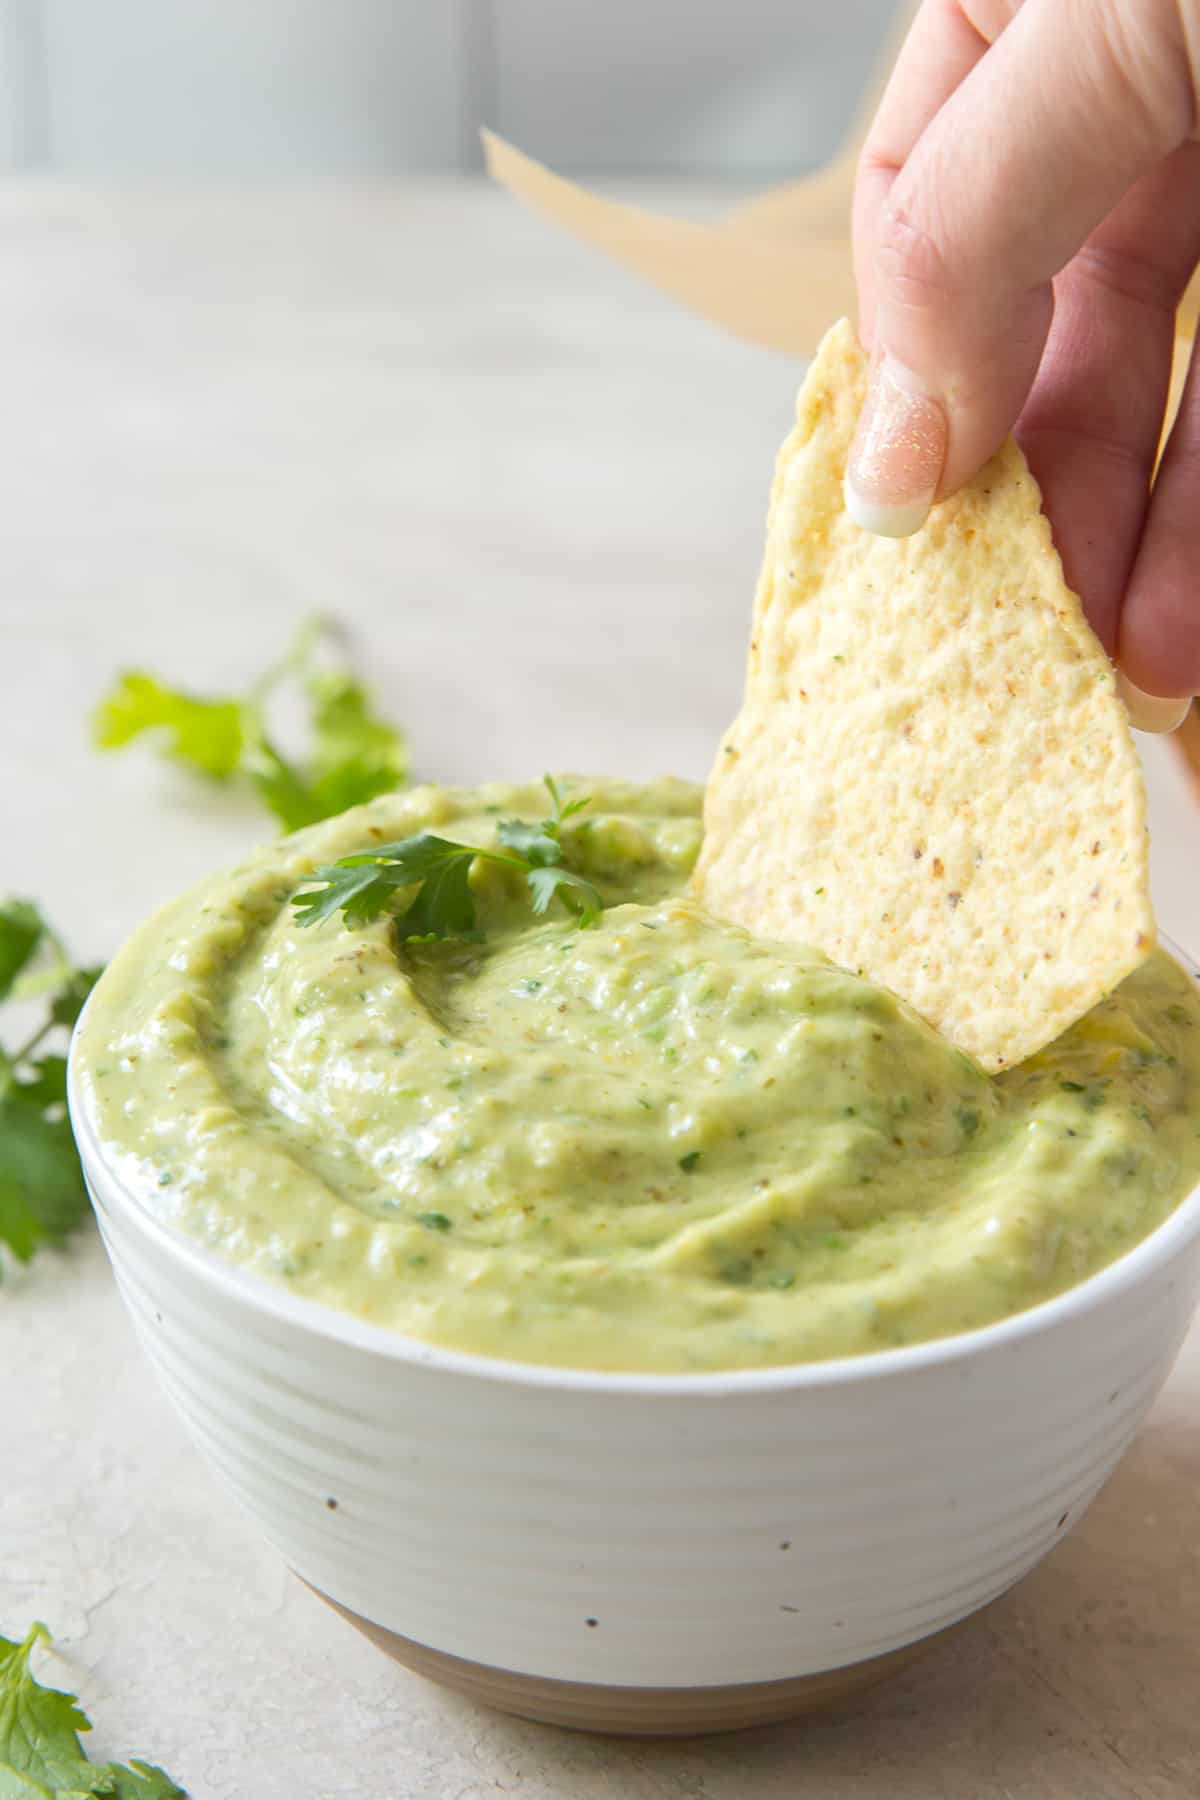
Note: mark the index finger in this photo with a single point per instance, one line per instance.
(938, 54)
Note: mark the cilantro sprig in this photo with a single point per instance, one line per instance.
(41, 1757)
(42, 1196)
(435, 874)
(354, 754)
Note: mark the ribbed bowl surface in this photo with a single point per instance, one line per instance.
(652, 1531)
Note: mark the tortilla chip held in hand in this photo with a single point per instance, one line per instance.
(931, 778)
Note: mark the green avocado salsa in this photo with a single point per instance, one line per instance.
(655, 1143)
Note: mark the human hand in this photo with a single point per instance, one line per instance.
(1026, 219)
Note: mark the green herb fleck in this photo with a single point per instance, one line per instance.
(689, 1161)
(435, 1221)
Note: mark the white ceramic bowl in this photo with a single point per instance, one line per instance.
(650, 1553)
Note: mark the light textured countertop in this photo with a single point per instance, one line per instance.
(535, 492)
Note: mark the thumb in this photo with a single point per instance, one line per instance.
(1073, 102)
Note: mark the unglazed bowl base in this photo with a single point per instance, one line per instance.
(641, 1711)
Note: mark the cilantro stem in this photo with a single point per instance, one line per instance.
(295, 659)
(59, 971)
(30, 1045)
(498, 856)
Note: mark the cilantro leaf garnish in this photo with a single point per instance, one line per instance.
(41, 1757)
(353, 754)
(575, 891)
(435, 872)
(538, 841)
(540, 845)
(42, 1196)
(208, 734)
(562, 809)
(364, 885)
(21, 928)
(443, 905)
(531, 840)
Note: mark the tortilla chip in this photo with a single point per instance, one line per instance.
(932, 778)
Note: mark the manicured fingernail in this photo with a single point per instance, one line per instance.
(1150, 712)
(898, 452)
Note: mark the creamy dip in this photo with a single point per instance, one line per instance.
(654, 1144)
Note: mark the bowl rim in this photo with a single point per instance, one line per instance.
(1149, 1254)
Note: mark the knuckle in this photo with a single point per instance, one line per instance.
(875, 165)
(911, 263)
(1093, 440)
(1128, 276)
(1146, 54)
(989, 17)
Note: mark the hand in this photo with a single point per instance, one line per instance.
(1026, 219)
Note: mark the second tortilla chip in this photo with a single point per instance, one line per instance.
(931, 778)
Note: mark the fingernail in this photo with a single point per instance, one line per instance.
(1150, 712)
(898, 452)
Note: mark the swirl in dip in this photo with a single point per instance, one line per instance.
(655, 1144)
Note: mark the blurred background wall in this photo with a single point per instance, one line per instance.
(262, 89)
